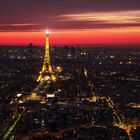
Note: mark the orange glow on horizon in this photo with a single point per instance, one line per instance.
(88, 36)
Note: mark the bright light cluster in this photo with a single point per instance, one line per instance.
(47, 32)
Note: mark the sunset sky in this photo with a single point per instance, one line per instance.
(70, 21)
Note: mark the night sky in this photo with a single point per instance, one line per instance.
(70, 21)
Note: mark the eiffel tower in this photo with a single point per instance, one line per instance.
(46, 72)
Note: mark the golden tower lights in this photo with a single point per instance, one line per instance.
(47, 68)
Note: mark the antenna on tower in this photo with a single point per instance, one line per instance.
(47, 32)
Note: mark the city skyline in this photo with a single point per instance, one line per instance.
(70, 22)
(69, 70)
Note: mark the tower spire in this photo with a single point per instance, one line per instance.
(47, 49)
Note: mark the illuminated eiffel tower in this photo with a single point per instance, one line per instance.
(46, 73)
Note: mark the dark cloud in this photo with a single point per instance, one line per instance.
(70, 25)
(19, 27)
(47, 13)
